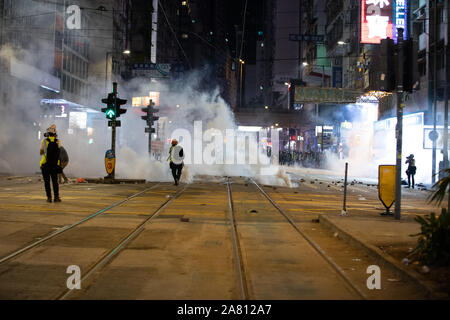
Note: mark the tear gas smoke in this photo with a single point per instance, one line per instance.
(22, 123)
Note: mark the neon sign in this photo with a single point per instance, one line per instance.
(400, 18)
(376, 20)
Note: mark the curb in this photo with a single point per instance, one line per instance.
(381, 258)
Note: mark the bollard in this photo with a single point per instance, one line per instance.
(344, 209)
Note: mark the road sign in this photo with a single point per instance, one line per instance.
(110, 161)
(433, 135)
(428, 136)
(147, 130)
(307, 37)
(386, 185)
(110, 123)
(324, 95)
(156, 70)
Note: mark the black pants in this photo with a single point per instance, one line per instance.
(176, 171)
(47, 173)
(411, 172)
(410, 177)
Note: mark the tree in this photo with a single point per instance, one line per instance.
(441, 189)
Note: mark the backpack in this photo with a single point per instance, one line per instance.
(52, 154)
(63, 156)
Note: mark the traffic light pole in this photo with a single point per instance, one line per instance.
(113, 131)
(399, 128)
(150, 144)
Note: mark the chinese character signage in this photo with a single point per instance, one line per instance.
(400, 18)
(376, 20)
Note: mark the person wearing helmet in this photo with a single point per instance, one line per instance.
(176, 156)
(411, 171)
(50, 162)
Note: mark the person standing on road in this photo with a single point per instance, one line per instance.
(50, 163)
(64, 160)
(176, 156)
(411, 171)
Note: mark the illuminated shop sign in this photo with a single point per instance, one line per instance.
(400, 18)
(145, 101)
(376, 20)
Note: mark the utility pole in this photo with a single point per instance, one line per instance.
(445, 137)
(113, 129)
(300, 42)
(399, 129)
(433, 165)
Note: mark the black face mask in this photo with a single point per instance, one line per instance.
(50, 134)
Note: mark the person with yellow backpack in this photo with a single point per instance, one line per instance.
(50, 164)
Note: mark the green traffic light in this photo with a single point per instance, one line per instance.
(110, 113)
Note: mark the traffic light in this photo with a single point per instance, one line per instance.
(150, 117)
(387, 65)
(118, 103)
(110, 110)
(410, 67)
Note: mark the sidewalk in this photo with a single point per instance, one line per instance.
(388, 241)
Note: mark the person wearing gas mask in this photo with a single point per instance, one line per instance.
(50, 163)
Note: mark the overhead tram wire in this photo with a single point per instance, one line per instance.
(174, 34)
(243, 30)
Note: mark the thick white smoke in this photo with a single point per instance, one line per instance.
(20, 139)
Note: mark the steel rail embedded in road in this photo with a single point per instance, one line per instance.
(133, 234)
(66, 228)
(312, 243)
(236, 246)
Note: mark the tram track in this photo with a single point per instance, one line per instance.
(313, 244)
(43, 239)
(241, 265)
(122, 244)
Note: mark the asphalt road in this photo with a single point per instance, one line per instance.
(185, 251)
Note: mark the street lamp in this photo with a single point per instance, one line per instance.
(343, 43)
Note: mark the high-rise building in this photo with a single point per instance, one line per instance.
(187, 36)
(68, 51)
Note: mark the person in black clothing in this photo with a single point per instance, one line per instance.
(411, 171)
(50, 163)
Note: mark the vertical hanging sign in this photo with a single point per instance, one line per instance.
(376, 20)
(400, 18)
